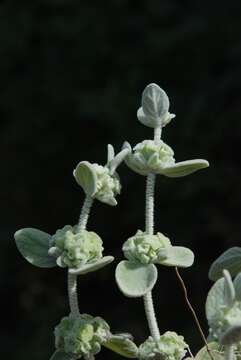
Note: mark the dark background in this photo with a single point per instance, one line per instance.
(71, 78)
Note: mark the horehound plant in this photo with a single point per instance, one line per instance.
(80, 251)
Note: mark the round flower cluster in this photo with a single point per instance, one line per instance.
(170, 346)
(149, 156)
(81, 336)
(108, 186)
(74, 249)
(225, 318)
(145, 248)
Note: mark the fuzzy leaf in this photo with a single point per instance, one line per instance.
(237, 286)
(155, 102)
(114, 163)
(135, 280)
(232, 335)
(229, 260)
(33, 244)
(122, 346)
(92, 267)
(86, 177)
(229, 290)
(184, 168)
(215, 299)
(214, 348)
(178, 256)
(110, 153)
(57, 355)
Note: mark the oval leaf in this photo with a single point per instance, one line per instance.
(178, 256)
(215, 350)
(215, 299)
(237, 286)
(122, 346)
(184, 168)
(61, 356)
(86, 177)
(135, 280)
(229, 260)
(155, 102)
(92, 267)
(33, 244)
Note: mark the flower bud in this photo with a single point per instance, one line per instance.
(76, 248)
(170, 346)
(147, 249)
(81, 336)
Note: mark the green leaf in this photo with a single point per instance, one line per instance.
(135, 280)
(215, 350)
(110, 153)
(232, 335)
(184, 168)
(215, 299)
(61, 356)
(229, 260)
(92, 267)
(178, 256)
(117, 160)
(33, 244)
(237, 286)
(155, 102)
(86, 177)
(122, 346)
(229, 290)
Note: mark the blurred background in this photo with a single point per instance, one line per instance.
(71, 77)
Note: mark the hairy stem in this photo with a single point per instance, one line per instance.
(157, 134)
(72, 292)
(72, 279)
(148, 302)
(229, 352)
(84, 215)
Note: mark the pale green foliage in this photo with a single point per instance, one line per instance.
(170, 346)
(75, 249)
(81, 336)
(155, 104)
(122, 346)
(223, 311)
(34, 244)
(93, 266)
(135, 280)
(146, 249)
(230, 260)
(101, 182)
(156, 249)
(150, 157)
(214, 348)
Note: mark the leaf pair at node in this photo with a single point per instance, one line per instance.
(138, 275)
(81, 252)
(101, 182)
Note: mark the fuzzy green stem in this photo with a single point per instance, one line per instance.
(229, 352)
(84, 215)
(157, 134)
(148, 302)
(72, 279)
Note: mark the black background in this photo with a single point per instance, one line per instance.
(71, 77)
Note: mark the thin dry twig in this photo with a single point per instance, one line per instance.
(193, 311)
